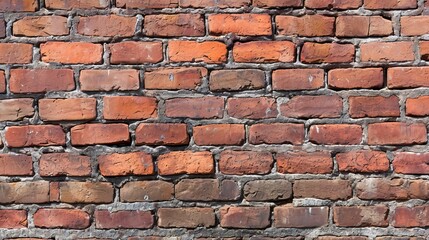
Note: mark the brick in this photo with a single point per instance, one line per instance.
(387, 52)
(135, 52)
(276, 133)
(191, 217)
(2, 28)
(61, 218)
(64, 164)
(147, 4)
(43, 26)
(277, 3)
(162, 134)
(86, 192)
(323, 106)
(362, 161)
(129, 107)
(350, 78)
(327, 53)
(118, 164)
(72, 109)
(200, 108)
(332, 189)
(24, 192)
(134, 219)
(361, 216)
(407, 217)
(3, 82)
(11, 53)
(41, 80)
(174, 78)
(411, 163)
(245, 162)
(107, 26)
(219, 134)
(390, 189)
(304, 162)
(206, 190)
(397, 133)
(376, 106)
(191, 51)
(19, 6)
(16, 165)
(176, 25)
(143, 191)
(70, 4)
(185, 162)
(417, 107)
(35, 135)
(333, 4)
(389, 4)
(300, 217)
(342, 238)
(54, 191)
(424, 50)
(336, 134)
(71, 52)
(264, 51)
(307, 25)
(237, 80)
(399, 238)
(13, 218)
(252, 108)
(98, 133)
(214, 3)
(245, 217)
(109, 80)
(363, 26)
(298, 79)
(267, 190)
(399, 77)
(16, 109)
(240, 24)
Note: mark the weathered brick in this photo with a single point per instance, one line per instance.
(174, 78)
(129, 107)
(72, 109)
(377, 106)
(361, 216)
(304, 162)
(35, 135)
(3, 82)
(276, 133)
(2, 28)
(16, 109)
(206, 190)
(134, 219)
(408, 217)
(16, 165)
(417, 107)
(61, 218)
(264, 51)
(24, 192)
(350, 78)
(70, 4)
(162, 134)
(214, 3)
(176, 25)
(391, 189)
(298, 79)
(327, 53)
(267, 190)
(307, 25)
(389, 4)
(387, 52)
(135, 52)
(399, 77)
(236, 80)
(252, 108)
(41, 80)
(363, 26)
(191, 51)
(336, 134)
(133, 163)
(43, 26)
(277, 3)
(185, 162)
(411, 163)
(245, 162)
(191, 217)
(219, 134)
(64, 164)
(300, 217)
(333, 4)
(13, 218)
(332, 189)
(143, 191)
(204, 107)
(323, 106)
(11, 53)
(71, 52)
(424, 50)
(147, 4)
(342, 238)
(98, 133)
(245, 217)
(362, 161)
(240, 24)
(86, 192)
(396, 133)
(19, 5)
(107, 26)
(109, 80)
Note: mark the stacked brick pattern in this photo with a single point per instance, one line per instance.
(214, 119)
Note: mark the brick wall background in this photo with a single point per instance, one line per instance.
(214, 119)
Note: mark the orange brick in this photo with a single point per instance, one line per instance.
(44, 26)
(399, 77)
(107, 26)
(71, 52)
(327, 53)
(98, 133)
(162, 134)
(185, 162)
(240, 24)
(64, 164)
(129, 107)
(350, 78)
(396, 133)
(19, 6)
(35, 135)
(174, 78)
(298, 79)
(147, 4)
(11, 53)
(190, 51)
(135, 52)
(387, 52)
(333, 4)
(264, 51)
(70, 4)
(133, 163)
(304, 162)
(72, 109)
(363, 26)
(390, 4)
(308, 25)
(176, 25)
(109, 80)
(336, 134)
(219, 134)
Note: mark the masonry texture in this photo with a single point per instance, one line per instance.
(214, 119)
